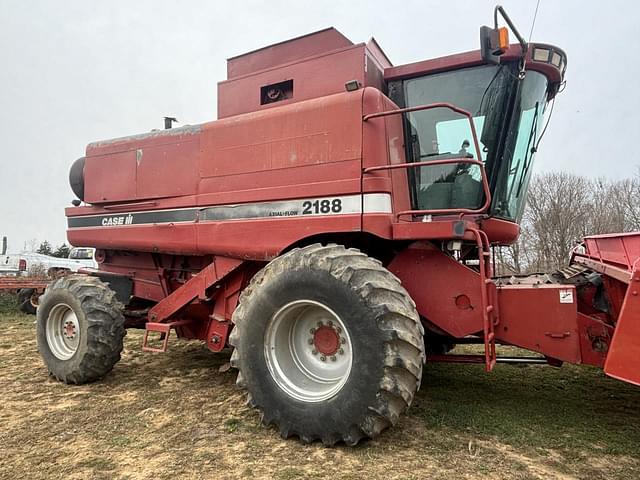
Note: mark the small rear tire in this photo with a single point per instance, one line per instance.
(328, 344)
(80, 329)
(27, 301)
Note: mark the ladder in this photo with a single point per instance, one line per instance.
(488, 295)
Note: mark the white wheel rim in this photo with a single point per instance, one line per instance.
(62, 331)
(308, 350)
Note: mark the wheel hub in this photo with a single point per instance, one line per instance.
(69, 329)
(326, 340)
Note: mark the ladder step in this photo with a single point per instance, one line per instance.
(163, 329)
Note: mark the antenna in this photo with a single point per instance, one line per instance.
(533, 24)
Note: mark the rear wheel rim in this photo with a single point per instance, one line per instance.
(63, 331)
(34, 300)
(308, 351)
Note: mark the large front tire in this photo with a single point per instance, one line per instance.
(80, 329)
(328, 344)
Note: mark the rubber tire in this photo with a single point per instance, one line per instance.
(24, 301)
(386, 337)
(101, 328)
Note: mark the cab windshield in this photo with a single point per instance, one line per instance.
(508, 118)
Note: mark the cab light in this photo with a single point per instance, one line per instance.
(541, 54)
(556, 59)
(503, 38)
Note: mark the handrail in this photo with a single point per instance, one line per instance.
(479, 163)
(431, 106)
(485, 185)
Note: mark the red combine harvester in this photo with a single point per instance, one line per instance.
(334, 227)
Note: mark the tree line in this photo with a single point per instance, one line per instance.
(62, 251)
(561, 209)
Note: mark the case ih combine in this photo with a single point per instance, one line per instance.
(334, 227)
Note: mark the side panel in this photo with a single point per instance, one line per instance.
(541, 318)
(446, 292)
(313, 77)
(247, 186)
(623, 359)
(619, 249)
(156, 165)
(110, 178)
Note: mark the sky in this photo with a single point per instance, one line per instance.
(80, 70)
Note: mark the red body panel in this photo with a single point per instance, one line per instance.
(288, 51)
(446, 292)
(470, 59)
(623, 360)
(541, 318)
(310, 149)
(619, 249)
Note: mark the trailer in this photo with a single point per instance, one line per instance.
(333, 229)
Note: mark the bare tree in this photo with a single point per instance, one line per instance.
(562, 208)
(558, 211)
(627, 198)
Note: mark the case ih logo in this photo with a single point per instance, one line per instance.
(117, 221)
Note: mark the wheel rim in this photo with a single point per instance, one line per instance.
(63, 331)
(34, 300)
(308, 350)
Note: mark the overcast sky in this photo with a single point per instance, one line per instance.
(76, 71)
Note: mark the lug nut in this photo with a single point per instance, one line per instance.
(323, 358)
(341, 351)
(314, 352)
(319, 324)
(343, 340)
(330, 323)
(338, 329)
(333, 358)
(311, 341)
(312, 331)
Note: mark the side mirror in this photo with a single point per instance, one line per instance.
(493, 43)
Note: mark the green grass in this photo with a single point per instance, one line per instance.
(574, 415)
(8, 303)
(535, 406)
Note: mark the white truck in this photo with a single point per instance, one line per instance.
(31, 263)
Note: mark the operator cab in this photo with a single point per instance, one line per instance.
(507, 101)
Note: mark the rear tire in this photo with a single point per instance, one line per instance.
(25, 301)
(80, 329)
(328, 344)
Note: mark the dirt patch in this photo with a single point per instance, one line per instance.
(175, 415)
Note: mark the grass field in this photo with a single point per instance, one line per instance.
(174, 415)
